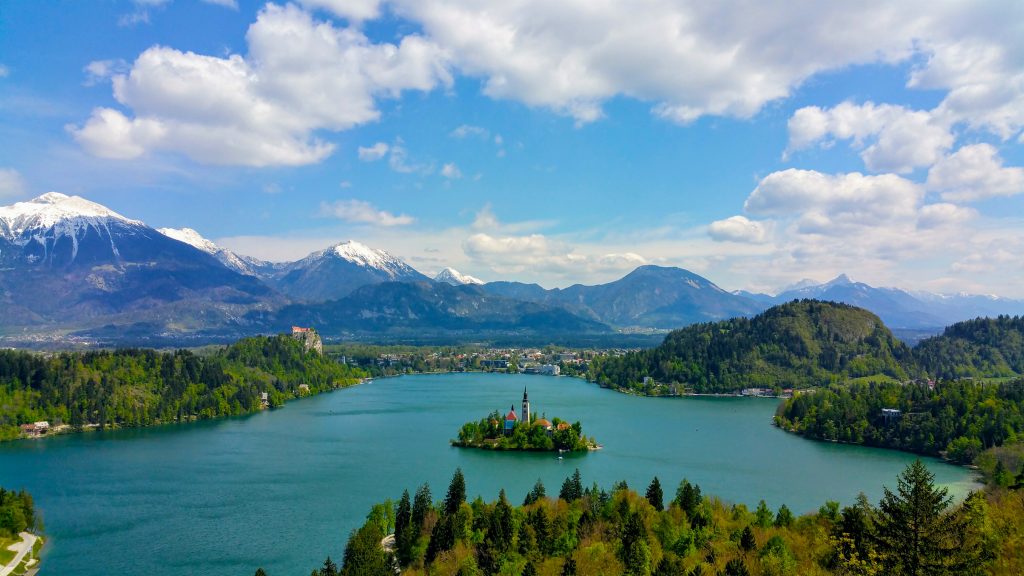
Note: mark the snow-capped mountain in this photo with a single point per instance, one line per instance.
(56, 229)
(69, 261)
(239, 263)
(456, 278)
(336, 271)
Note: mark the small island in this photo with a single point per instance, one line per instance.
(524, 432)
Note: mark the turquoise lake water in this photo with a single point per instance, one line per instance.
(283, 488)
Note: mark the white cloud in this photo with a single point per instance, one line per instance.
(451, 171)
(12, 185)
(737, 229)
(373, 153)
(891, 138)
(356, 10)
(4, 71)
(467, 130)
(263, 109)
(834, 204)
(944, 214)
(974, 172)
(233, 4)
(398, 160)
(361, 212)
(99, 71)
(720, 58)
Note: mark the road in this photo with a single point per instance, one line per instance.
(21, 549)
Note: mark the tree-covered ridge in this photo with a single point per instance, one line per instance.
(914, 530)
(985, 347)
(135, 387)
(537, 435)
(796, 345)
(957, 418)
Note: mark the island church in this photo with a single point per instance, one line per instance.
(511, 418)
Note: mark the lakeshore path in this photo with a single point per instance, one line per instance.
(20, 549)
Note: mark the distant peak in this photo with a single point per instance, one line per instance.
(454, 277)
(840, 280)
(190, 237)
(52, 208)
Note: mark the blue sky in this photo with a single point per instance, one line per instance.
(550, 142)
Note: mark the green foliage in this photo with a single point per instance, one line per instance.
(796, 345)
(17, 513)
(961, 418)
(572, 488)
(654, 495)
(134, 387)
(985, 347)
(913, 531)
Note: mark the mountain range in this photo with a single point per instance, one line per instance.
(71, 268)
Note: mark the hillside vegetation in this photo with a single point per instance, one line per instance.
(796, 345)
(135, 387)
(914, 530)
(958, 419)
(985, 347)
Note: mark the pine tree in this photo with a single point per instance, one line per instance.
(784, 518)
(529, 570)
(763, 516)
(688, 497)
(537, 493)
(655, 495)
(329, 568)
(405, 533)
(747, 540)
(421, 505)
(572, 488)
(736, 567)
(636, 552)
(500, 532)
(456, 493)
(569, 567)
(260, 572)
(914, 534)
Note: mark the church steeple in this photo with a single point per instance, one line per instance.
(526, 407)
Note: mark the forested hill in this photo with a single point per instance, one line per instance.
(986, 347)
(134, 387)
(799, 344)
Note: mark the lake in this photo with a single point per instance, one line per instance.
(282, 489)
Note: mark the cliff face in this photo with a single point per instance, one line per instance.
(310, 340)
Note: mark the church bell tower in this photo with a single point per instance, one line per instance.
(526, 407)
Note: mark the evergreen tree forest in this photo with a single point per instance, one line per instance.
(958, 419)
(17, 513)
(136, 387)
(915, 530)
(796, 345)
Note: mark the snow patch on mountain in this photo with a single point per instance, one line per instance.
(456, 278)
(190, 237)
(23, 222)
(362, 255)
(241, 264)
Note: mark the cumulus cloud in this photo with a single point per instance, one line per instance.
(99, 71)
(373, 153)
(832, 204)
(300, 77)
(511, 254)
(974, 172)
(361, 212)
(891, 138)
(944, 214)
(737, 229)
(451, 171)
(12, 185)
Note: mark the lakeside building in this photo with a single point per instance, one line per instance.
(36, 429)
